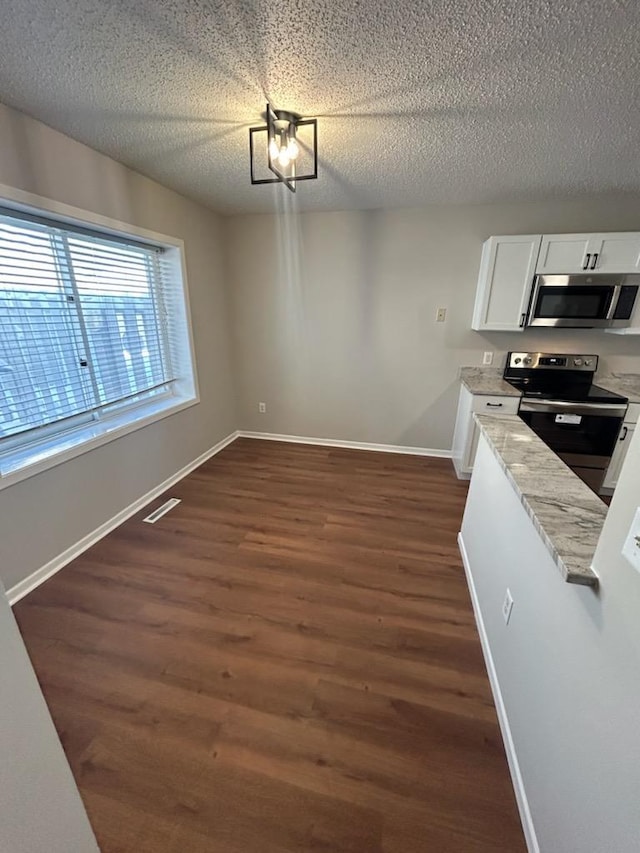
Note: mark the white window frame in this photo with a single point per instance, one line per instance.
(26, 459)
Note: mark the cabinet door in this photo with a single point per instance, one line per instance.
(567, 253)
(462, 433)
(472, 447)
(467, 432)
(618, 456)
(506, 274)
(618, 253)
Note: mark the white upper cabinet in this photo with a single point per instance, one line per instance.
(507, 268)
(565, 253)
(619, 253)
(578, 253)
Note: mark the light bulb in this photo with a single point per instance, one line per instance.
(274, 149)
(283, 157)
(293, 149)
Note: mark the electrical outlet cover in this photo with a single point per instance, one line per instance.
(631, 547)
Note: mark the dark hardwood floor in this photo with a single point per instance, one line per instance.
(287, 661)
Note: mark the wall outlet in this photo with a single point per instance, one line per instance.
(487, 358)
(441, 315)
(262, 408)
(507, 606)
(631, 547)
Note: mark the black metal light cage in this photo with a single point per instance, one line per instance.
(289, 180)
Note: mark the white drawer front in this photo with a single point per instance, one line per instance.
(633, 414)
(495, 405)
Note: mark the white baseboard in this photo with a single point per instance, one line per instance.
(44, 572)
(505, 728)
(349, 445)
(460, 474)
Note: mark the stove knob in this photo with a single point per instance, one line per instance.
(588, 362)
(577, 362)
(528, 360)
(517, 360)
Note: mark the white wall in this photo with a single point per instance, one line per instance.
(40, 807)
(567, 664)
(334, 314)
(67, 502)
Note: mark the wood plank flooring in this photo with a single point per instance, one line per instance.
(287, 661)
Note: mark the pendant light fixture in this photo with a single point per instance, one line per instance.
(287, 147)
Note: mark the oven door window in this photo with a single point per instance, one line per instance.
(575, 302)
(591, 435)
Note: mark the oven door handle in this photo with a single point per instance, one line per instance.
(603, 410)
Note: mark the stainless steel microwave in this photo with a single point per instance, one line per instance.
(583, 301)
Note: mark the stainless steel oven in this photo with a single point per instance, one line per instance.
(582, 434)
(578, 420)
(583, 301)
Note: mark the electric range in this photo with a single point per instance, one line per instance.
(578, 420)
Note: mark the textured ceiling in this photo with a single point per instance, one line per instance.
(418, 101)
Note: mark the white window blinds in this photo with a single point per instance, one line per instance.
(84, 324)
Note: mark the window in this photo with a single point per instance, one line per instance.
(93, 335)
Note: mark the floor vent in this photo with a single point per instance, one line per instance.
(162, 510)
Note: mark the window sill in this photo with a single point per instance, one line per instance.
(27, 461)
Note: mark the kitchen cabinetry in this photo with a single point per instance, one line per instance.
(578, 253)
(507, 267)
(509, 263)
(622, 445)
(467, 433)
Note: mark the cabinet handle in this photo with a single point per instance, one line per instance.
(594, 260)
(625, 431)
(585, 265)
(494, 405)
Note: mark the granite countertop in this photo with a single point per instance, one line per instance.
(487, 380)
(627, 384)
(566, 513)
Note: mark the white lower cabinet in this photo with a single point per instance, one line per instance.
(466, 434)
(622, 445)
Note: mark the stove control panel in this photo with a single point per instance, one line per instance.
(551, 361)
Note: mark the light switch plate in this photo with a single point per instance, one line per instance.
(631, 547)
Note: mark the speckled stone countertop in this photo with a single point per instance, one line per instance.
(566, 513)
(487, 380)
(627, 384)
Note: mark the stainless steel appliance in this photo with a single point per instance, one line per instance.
(583, 301)
(578, 420)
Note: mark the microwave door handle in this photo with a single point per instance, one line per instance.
(527, 319)
(615, 296)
